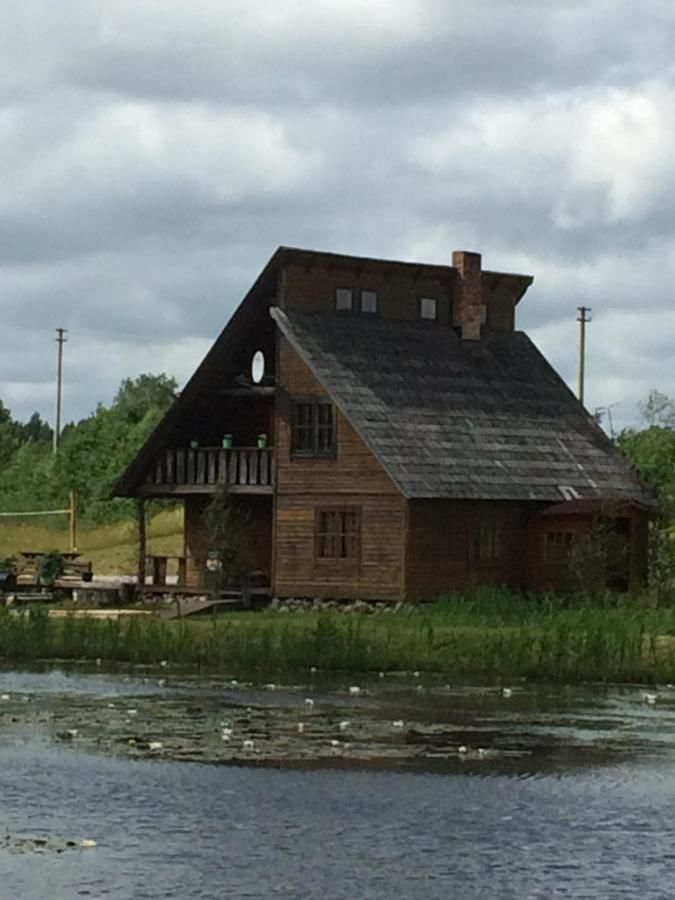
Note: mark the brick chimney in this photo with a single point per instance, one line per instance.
(467, 307)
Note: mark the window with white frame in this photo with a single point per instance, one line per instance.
(368, 302)
(428, 308)
(343, 299)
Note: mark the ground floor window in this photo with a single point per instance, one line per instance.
(558, 546)
(338, 534)
(485, 541)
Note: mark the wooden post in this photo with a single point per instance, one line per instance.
(140, 521)
(583, 319)
(60, 340)
(72, 519)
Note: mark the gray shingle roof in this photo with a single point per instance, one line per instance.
(488, 419)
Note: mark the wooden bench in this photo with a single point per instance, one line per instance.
(158, 566)
(74, 568)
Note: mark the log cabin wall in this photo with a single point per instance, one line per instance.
(196, 542)
(354, 479)
(552, 573)
(254, 512)
(399, 288)
(457, 545)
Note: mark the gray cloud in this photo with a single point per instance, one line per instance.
(155, 153)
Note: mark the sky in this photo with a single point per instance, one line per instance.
(154, 153)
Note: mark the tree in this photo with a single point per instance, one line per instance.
(34, 430)
(137, 396)
(93, 453)
(8, 441)
(658, 409)
(652, 451)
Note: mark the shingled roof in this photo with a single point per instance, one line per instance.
(486, 419)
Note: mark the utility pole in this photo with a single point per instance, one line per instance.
(583, 319)
(60, 340)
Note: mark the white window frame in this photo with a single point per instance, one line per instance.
(425, 308)
(371, 295)
(344, 299)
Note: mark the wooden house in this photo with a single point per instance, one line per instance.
(388, 434)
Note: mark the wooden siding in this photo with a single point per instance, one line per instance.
(354, 479)
(378, 574)
(399, 288)
(547, 576)
(195, 538)
(438, 557)
(354, 468)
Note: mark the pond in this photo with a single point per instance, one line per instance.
(190, 787)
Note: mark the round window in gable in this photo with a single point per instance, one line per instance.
(258, 367)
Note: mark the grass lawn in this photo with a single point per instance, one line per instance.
(111, 548)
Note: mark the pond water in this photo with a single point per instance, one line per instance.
(200, 788)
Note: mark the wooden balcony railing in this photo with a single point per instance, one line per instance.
(201, 470)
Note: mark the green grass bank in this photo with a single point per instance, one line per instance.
(112, 548)
(495, 636)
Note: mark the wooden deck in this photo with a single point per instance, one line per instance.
(198, 470)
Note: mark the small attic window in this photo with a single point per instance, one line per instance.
(343, 299)
(428, 308)
(368, 302)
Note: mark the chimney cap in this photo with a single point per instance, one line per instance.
(462, 258)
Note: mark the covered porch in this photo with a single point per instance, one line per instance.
(200, 568)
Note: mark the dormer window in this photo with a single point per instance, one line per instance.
(368, 302)
(343, 299)
(428, 308)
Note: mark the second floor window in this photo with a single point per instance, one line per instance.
(343, 299)
(313, 428)
(428, 308)
(368, 302)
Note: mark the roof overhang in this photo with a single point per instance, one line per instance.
(591, 507)
(515, 284)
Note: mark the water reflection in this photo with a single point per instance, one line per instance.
(572, 797)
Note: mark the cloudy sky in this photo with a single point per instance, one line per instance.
(155, 153)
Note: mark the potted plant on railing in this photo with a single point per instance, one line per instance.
(262, 441)
(227, 441)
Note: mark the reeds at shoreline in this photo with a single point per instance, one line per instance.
(493, 634)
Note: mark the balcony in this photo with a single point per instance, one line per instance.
(245, 470)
